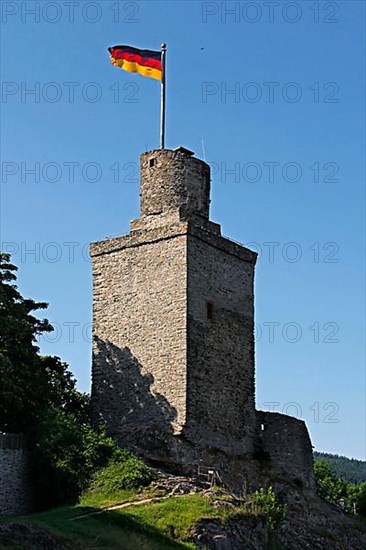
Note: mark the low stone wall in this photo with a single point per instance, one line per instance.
(14, 482)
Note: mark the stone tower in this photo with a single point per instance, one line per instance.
(173, 326)
(173, 314)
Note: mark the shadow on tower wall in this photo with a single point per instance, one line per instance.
(138, 417)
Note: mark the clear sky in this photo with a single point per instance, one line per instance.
(287, 151)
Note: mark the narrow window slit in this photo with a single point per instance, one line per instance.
(209, 310)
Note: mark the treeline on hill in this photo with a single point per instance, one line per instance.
(348, 496)
(349, 469)
(39, 398)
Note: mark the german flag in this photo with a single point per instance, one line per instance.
(133, 60)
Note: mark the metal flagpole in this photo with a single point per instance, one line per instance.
(163, 82)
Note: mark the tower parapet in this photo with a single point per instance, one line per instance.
(174, 180)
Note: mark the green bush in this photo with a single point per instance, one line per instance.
(66, 455)
(273, 510)
(123, 472)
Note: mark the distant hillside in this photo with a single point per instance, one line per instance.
(349, 469)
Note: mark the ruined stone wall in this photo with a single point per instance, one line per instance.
(14, 482)
(285, 441)
(220, 385)
(139, 329)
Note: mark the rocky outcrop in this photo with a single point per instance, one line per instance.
(247, 532)
(309, 525)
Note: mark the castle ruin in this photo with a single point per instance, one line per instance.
(173, 335)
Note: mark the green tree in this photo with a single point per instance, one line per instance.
(30, 383)
(349, 469)
(62, 392)
(39, 397)
(356, 494)
(66, 454)
(361, 500)
(330, 487)
(23, 389)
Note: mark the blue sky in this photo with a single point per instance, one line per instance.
(287, 152)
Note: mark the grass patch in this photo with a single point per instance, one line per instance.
(93, 498)
(174, 516)
(161, 525)
(109, 530)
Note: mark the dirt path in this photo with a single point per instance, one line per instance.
(129, 504)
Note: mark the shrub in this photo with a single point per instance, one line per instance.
(66, 455)
(273, 510)
(123, 472)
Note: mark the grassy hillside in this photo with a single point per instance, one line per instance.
(349, 469)
(161, 525)
(157, 518)
(125, 529)
(160, 516)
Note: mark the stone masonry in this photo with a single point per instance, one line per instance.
(173, 331)
(14, 483)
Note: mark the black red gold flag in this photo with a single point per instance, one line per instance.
(144, 62)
